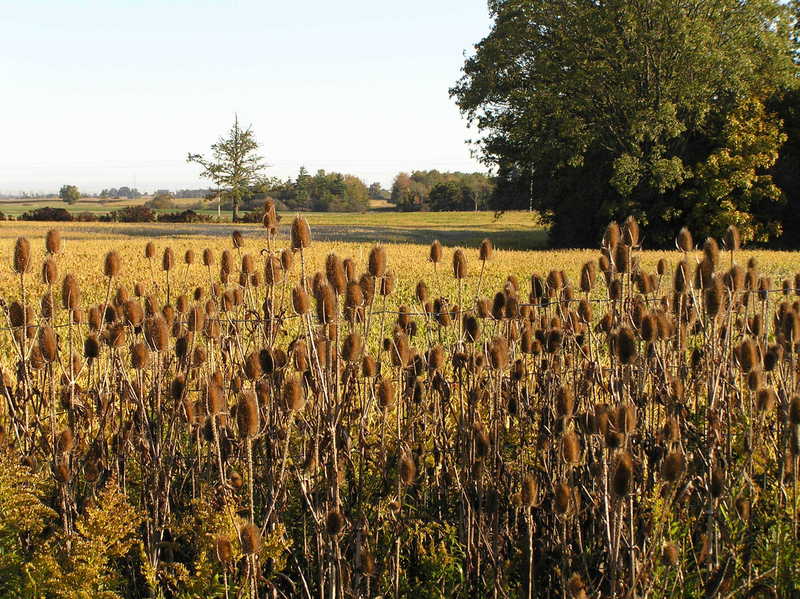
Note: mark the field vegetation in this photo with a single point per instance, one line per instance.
(254, 412)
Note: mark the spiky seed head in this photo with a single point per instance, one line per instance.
(565, 401)
(747, 355)
(717, 481)
(673, 466)
(714, 298)
(766, 400)
(22, 255)
(140, 356)
(250, 538)
(670, 555)
(794, 410)
(334, 271)
(571, 448)
(387, 284)
(252, 365)
(224, 549)
(529, 491)
(208, 257)
(562, 500)
(486, 250)
(498, 353)
(626, 345)
(407, 469)
(111, 264)
(732, 238)
(711, 251)
(334, 523)
(248, 264)
(611, 236)
(435, 254)
(247, 415)
(237, 239)
(301, 302)
(52, 242)
(352, 347)
(385, 393)
(300, 234)
(293, 394)
(48, 344)
(459, 264)
(215, 399)
(472, 328)
(91, 347)
(150, 250)
(369, 367)
(588, 273)
(134, 314)
(622, 478)
(167, 259)
(377, 261)
(70, 293)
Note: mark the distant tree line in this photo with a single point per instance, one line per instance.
(122, 192)
(440, 191)
(679, 113)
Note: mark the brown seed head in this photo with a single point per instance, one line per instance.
(111, 265)
(250, 538)
(22, 256)
(300, 234)
(52, 242)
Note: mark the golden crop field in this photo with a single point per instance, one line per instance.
(254, 412)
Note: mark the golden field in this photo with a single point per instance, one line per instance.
(170, 429)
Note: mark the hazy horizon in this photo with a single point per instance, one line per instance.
(110, 94)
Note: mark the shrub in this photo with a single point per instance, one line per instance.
(132, 214)
(186, 216)
(47, 214)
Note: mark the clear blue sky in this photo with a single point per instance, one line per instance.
(107, 93)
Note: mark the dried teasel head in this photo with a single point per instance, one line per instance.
(300, 234)
(459, 264)
(486, 250)
(52, 242)
(247, 415)
(435, 253)
(250, 538)
(293, 394)
(22, 256)
(112, 264)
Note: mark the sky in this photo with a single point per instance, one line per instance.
(106, 93)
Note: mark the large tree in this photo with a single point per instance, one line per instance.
(235, 165)
(69, 194)
(593, 110)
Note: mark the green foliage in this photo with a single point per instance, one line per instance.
(323, 192)
(731, 186)
(235, 165)
(69, 194)
(438, 191)
(82, 563)
(431, 561)
(606, 109)
(23, 518)
(161, 201)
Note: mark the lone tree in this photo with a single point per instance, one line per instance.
(69, 194)
(235, 165)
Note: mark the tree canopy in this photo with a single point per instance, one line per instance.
(441, 191)
(69, 194)
(655, 108)
(235, 165)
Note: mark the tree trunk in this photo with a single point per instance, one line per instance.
(235, 209)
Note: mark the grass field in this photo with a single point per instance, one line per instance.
(513, 230)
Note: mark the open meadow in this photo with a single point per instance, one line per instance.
(220, 411)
